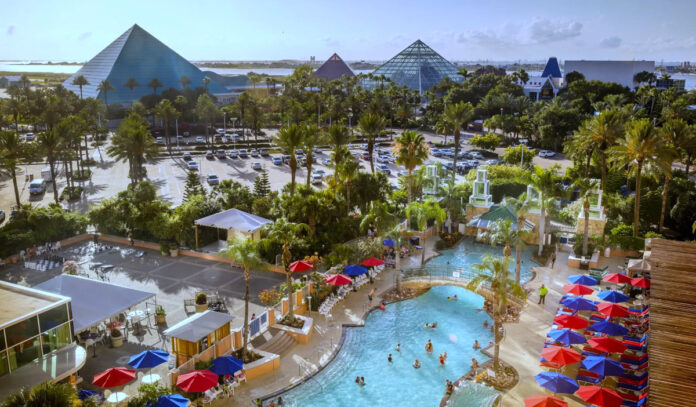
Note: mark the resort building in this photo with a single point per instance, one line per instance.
(621, 72)
(7, 81)
(419, 67)
(136, 54)
(669, 83)
(36, 338)
(545, 86)
(333, 68)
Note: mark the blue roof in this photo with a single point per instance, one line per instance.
(137, 54)
(552, 69)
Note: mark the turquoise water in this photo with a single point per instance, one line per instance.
(470, 394)
(467, 252)
(365, 352)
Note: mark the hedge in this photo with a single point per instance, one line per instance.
(501, 188)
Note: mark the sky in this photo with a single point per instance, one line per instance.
(460, 30)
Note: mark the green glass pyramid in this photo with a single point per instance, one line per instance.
(419, 67)
(137, 54)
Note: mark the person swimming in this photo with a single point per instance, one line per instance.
(362, 381)
(389, 358)
(445, 355)
(485, 324)
(416, 364)
(477, 345)
(357, 379)
(431, 326)
(429, 347)
(398, 347)
(442, 359)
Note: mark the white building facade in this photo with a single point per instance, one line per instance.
(621, 72)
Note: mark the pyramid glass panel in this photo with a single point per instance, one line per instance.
(333, 68)
(419, 67)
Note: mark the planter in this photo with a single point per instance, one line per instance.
(173, 252)
(201, 307)
(160, 319)
(117, 341)
(164, 253)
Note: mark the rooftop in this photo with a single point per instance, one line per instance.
(198, 326)
(17, 302)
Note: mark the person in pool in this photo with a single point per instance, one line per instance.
(477, 345)
(389, 358)
(449, 387)
(429, 347)
(362, 381)
(280, 401)
(442, 360)
(357, 379)
(485, 324)
(416, 364)
(398, 347)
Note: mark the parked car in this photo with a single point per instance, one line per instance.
(318, 150)
(232, 154)
(264, 152)
(316, 178)
(286, 159)
(187, 156)
(547, 153)
(299, 151)
(220, 131)
(476, 155)
(37, 187)
(220, 154)
(29, 137)
(213, 179)
(383, 159)
(493, 161)
(436, 152)
(209, 155)
(403, 173)
(326, 161)
(193, 166)
(319, 171)
(159, 140)
(302, 161)
(226, 138)
(179, 138)
(243, 153)
(256, 165)
(255, 153)
(278, 160)
(365, 156)
(237, 137)
(384, 168)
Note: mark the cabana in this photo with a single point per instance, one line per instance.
(197, 333)
(483, 222)
(237, 224)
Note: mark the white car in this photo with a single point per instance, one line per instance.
(213, 179)
(256, 166)
(476, 155)
(192, 165)
(317, 178)
(220, 131)
(384, 159)
(159, 140)
(547, 153)
(200, 139)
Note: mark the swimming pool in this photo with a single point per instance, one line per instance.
(471, 394)
(468, 252)
(365, 350)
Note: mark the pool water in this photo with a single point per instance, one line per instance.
(467, 252)
(365, 350)
(470, 394)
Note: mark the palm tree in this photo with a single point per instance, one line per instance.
(104, 87)
(421, 213)
(396, 235)
(503, 231)
(206, 82)
(133, 143)
(154, 84)
(166, 112)
(347, 172)
(411, 151)
(131, 84)
(206, 111)
(184, 81)
(339, 138)
(50, 144)
(457, 116)
(289, 138)
(586, 187)
(371, 126)
(45, 394)
(545, 182)
(312, 138)
(288, 234)
(379, 216)
(640, 147)
(12, 151)
(245, 253)
(80, 81)
(674, 131)
(494, 272)
(519, 206)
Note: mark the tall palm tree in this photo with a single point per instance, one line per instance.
(379, 216)
(421, 213)
(50, 144)
(131, 84)
(206, 82)
(133, 143)
(80, 81)
(206, 111)
(411, 151)
(184, 81)
(154, 84)
(348, 172)
(289, 139)
(545, 182)
(312, 138)
(586, 187)
(640, 147)
(674, 131)
(458, 116)
(245, 253)
(519, 206)
(105, 87)
(371, 126)
(287, 234)
(12, 151)
(339, 138)
(166, 112)
(503, 231)
(494, 272)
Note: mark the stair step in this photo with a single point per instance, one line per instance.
(279, 344)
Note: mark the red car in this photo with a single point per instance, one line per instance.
(365, 156)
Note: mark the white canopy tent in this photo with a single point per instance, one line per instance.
(234, 220)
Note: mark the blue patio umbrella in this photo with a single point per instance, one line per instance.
(172, 400)
(579, 303)
(148, 359)
(583, 279)
(354, 270)
(388, 242)
(613, 296)
(557, 382)
(566, 336)
(603, 366)
(226, 365)
(609, 328)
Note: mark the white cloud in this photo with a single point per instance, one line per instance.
(545, 31)
(610, 42)
(84, 36)
(542, 31)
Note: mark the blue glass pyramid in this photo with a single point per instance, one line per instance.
(552, 69)
(419, 67)
(137, 54)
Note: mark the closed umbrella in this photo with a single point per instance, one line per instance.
(338, 279)
(606, 344)
(300, 265)
(544, 401)
(600, 396)
(638, 265)
(579, 303)
(226, 365)
(197, 381)
(613, 296)
(354, 270)
(556, 382)
(172, 400)
(612, 310)
(577, 289)
(114, 377)
(571, 321)
(617, 278)
(583, 279)
(372, 262)
(603, 366)
(643, 282)
(566, 336)
(561, 356)
(609, 328)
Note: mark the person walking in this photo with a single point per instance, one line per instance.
(553, 259)
(542, 294)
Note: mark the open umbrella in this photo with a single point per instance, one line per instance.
(640, 282)
(606, 344)
(85, 394)
(300, 265)
(566, 336)
(561, 356)
(579, 303)
(354, 270)
(372, 262)
(612, 310)
(544, 401)
(197, 381)
(603, 366)
(617, 278)
(225, 365)
(578, 289)
(114, 377)
(613, 296)
(338, 279)
(388, 242)
(638, 265)
(148, 359)
(556, 382)
(172, 400)
(571, 321)
(600, 396)
(609, 328)
(583, 279)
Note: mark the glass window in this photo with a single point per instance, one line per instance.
(2, 339)
(53, 317)
(22, 331)
(24, 353)
(4, 365)
(56, 338)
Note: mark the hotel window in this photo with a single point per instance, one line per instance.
(56, 338)
(53, 317)
(21, 331)
(24, 353)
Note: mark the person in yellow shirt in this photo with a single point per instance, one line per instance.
(542, 294)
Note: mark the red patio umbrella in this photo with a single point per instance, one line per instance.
(600, 396)
(338, 279)
(578, 289)
(300, 265)
(197, 381)
(640, 282)
(606, 344)
(571, 321)
(544, 401)
(560, 355)
(114, 377)
(372, 262)
(611, 309)
(617, 278)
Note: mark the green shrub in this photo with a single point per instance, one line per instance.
(500, 188)
(487, 141)
(651, 235)
(577, 247)
(621, 236)
(514, 155)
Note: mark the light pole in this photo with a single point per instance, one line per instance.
(176, 127)
(234, 137)
(224, 121)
